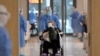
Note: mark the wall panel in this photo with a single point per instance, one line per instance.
(12, 6)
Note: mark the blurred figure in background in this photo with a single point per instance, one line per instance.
(74, 23)
(23, 29)
(32, 18)
(82, 22)
(5, 41)
(84, 34)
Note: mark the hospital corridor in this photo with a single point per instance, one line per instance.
(49, 28)
(72, 47)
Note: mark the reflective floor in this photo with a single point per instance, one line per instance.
(72, 47)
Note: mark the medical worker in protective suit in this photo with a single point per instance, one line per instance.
(32, 20)
(23, 29)
(74, 22)
(45, 18)
(5, 41)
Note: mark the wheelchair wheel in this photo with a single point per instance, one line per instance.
(41, 49)
(62, 53)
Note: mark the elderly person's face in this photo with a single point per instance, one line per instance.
(4, 15)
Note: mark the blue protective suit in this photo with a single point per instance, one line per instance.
(82, 20)
(23, 29)
(44, 21)
(75, 22)
(5, 43)
(32, 17)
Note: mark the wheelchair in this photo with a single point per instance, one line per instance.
(50, 50)
(54, 44)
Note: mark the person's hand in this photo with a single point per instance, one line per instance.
(40, 37)
(45, 34)
(62, 34)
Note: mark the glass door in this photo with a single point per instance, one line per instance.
(57, 9)
(62, 8)
(69, 4)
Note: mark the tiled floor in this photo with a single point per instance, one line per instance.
(72, 47)
(32, 47)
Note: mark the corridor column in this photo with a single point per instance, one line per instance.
(95, 27)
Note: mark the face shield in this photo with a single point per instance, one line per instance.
(49, 11)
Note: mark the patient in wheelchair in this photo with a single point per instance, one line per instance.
(50, 38)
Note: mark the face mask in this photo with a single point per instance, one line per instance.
(49, 12)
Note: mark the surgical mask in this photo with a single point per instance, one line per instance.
(49, 12)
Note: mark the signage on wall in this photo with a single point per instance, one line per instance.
(34, 1)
